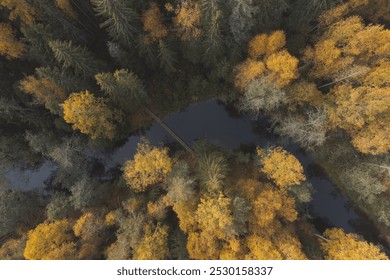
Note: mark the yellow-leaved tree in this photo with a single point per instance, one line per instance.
(51, 241)
(153, 245)
(186, 19)
(90, 115)
(214, 216)
(355, 54)
(268, 57)
(44, 92)
(10, 47)
(153, 24)
(281, 166)
(20, 9)
(150, 166)
(338, 245)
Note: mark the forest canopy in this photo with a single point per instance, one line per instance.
(79, 78)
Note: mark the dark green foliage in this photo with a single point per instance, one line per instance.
(212, 42)
(121, 20)
(167, 57)
(63, 78)
(76, 58)
(124, 89)
(38, 36)
(65, 28)
(17, 209)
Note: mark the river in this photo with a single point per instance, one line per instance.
(222, 126)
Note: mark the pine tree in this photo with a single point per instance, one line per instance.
(124, 89)
(76, 58)
(269, 14)
(63, 78)
(38, 36)
(211, 22)
(44, 92)
(66, 28)
(121, 20)
(167, 57)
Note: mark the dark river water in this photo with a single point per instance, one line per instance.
(221, 126)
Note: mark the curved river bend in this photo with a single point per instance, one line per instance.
(222, 127)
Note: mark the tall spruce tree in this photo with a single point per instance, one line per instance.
(121, 20)
(76, 58)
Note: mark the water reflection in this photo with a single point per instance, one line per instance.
(213, 121)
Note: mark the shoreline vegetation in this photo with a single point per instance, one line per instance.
(79, 77)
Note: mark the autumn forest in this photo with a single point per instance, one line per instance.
(81, 79)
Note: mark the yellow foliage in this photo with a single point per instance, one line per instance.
(373, 138)
(214, 216)
(110, 218)
(379, 75)
(343, 31)
(44, 92)
(50, 241)
(271, 204)
(150, 166)
(88, 226)
(185, 213)
(153, 245)
(157, 209)
(288, 244)
(66, 7)
(282, 167)
(12, 249)
(342, 246)
(364, 113)
(20, 9)
(202, 246)
(354, 107)
(303, 93)
(247, 71)
(327, 59)
(187, 20)
(153, 24)
(372, 41)
(263, 44)
(276, 41)
(340, 11)
(232, 250)
(90, 115)
(283, 67)
(9, 46)
(347, 42)
(261, 248)
(258, 46)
